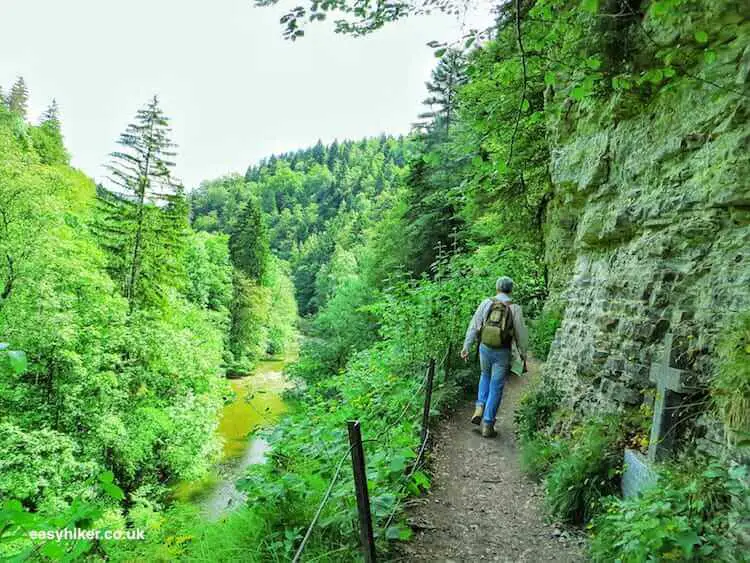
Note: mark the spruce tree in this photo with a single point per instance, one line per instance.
(448, 76)
(48, 139)
(51, 115)
(18, 99)
(333, 155)
(249, 252)
(248, 243)
(145, 216)
(319, 153)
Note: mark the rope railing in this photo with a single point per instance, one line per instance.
(358, 466)
(322, 504)
(411, 473)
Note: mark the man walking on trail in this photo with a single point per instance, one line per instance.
(498, 323)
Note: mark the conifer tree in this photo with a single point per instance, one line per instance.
(448, 76)
(19, 98)
(48, 139)
(2, 97)
(145, 216)
(319, 153)
(51, 115)
(248, 243)
(249, 252)
(333, 155)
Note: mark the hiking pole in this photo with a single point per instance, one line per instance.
(360, 488)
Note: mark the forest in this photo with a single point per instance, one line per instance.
(595, 151)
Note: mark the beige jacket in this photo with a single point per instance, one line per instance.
(521, 337)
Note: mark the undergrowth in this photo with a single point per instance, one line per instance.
(730, 387)
(700, 511)
(587, 469)
(579, 461)
(308, 447)
(542, 332)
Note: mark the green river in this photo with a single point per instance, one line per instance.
(257, 402)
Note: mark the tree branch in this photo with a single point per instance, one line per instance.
(519, 38)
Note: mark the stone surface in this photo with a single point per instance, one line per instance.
(649, 229)
(637, 475)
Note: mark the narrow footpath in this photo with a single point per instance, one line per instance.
(481, 506)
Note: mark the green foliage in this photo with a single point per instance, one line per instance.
(580, 467)
(535, 410)
(317, 205)
(85, 510)
(379, 388)
(250, 307)
(542, 332)
(48, 142)
(390, 243)
(85, 383)
(263, 316)
(447, 78)
(27, 475)
(248, 243)
(539, 453)
(587, 471)
(216, 204)
(143, 222)
(18, 99)
(282, 318)
(698, 512)
(209, 271)
(730, 387)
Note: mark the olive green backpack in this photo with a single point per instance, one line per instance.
(497, 329)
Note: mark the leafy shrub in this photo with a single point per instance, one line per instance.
(587, 471)
(535, 409)
(730, 388)
(84, 511)
(695, 514)
(539, 453)
(542, 332)
(26, 474)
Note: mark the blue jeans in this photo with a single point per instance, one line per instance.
(495, 364)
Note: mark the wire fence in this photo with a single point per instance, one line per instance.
(355, 451)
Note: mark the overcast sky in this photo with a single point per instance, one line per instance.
(235, 89)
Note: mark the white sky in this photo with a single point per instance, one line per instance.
(235, 89)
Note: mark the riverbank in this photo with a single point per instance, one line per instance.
(257, 402)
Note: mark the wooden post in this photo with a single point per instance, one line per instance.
(428, 399)
(360, 488)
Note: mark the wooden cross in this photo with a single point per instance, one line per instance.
(670, 382)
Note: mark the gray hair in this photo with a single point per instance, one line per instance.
(504, 284)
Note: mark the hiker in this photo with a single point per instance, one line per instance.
(498, 323)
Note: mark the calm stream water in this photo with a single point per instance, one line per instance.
(257, 403)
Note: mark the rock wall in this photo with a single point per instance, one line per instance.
(649, 230)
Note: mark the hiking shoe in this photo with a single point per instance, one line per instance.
(478, 412)
(488, 430)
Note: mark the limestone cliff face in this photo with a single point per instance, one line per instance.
(649, 230)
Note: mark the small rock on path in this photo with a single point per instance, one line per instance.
(481, 506)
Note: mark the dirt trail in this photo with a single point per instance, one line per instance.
(481, 507)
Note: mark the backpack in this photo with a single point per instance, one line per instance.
(497, 329)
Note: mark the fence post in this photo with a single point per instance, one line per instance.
(428, 399)
(360, 488)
